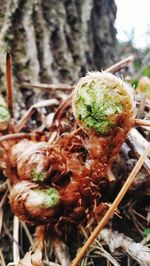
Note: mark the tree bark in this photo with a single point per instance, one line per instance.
(58, 40)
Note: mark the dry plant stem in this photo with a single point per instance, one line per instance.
(114, 68)
(141, 122)
(39, 237)
(47, 86)
(2, 259)
(25, 119)
(9, 82)
(25, 227)
(113, 206)
(121, 64)
(138, 143)
(31, 110)
(38, 245)
(3, 198)
(1, 220)
(110, 176)
(116, 240)
(16, 256)
(16, 136)
(61, 252)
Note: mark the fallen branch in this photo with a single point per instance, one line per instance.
(115, 240)
(31, 110)
(114, 68)
(113, 207)
(16, 136)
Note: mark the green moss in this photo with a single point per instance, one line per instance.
(147, 231)
(49, 197)
(96, 105)
(4, 113)
(36, 176)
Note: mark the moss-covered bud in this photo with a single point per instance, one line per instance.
(103, 102)
(34, 203)
(30, 159)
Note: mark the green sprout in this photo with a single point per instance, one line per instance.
(4, 113)
(97, 105)
(36, 176)
(49, 197)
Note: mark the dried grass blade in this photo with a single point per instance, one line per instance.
(16, 256)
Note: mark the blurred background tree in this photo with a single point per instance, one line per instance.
(57, 41)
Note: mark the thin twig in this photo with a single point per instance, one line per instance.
(47, 86)
(3, 198)
(9, 82)
(114, 68)
(16, 136)
(113, 206)
(16, 256)
(121, 64)
(31, 110)
(142, 122)
(1, 220)
(138, 143)
(25, 227)
(2, 258)
(110, 176)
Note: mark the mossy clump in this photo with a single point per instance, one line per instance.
(98, 102)
(4, 114)
(48, 197)
(38, 176)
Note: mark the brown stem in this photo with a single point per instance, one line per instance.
(44, 86)
(36, 257)
(121, 64)
(31, 110)
(113, 207)
(16, 136)
(114, 68)
(9, 82)
(141, 122)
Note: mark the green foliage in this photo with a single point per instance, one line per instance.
(36, 176)
(147, 231)
(134, 83)
(95, 105)
(146, 71)
(4, 113)
(49, 197)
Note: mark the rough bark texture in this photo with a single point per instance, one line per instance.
(57, 40)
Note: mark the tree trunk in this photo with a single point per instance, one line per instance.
(58, 40)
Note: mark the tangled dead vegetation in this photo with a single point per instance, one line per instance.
(63, 175)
